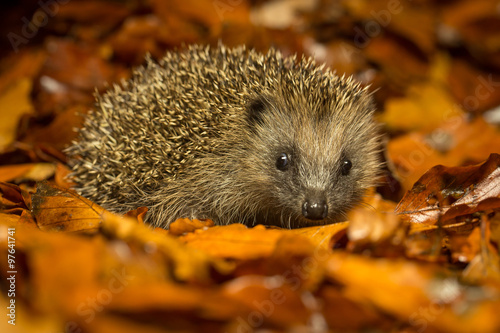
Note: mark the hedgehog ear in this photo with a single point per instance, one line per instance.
(256, 107)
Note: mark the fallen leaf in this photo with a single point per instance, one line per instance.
(61, 130)
(464, 249)
(474, 23)
(15, 102)
(235, 241)
(138, 214)
(381, 50)
(425, 107)
(456, 142)
(188, 264)
(137, 37)
(62, 176)
(444, 193)
(14, 198)
(23, 65)
(415, 23)
(474, 89)
(182, 226)
(23, 172)
(423, 287)
(321, 236)
(272, 296)
(376, 228)
(105, 14)
(58, 209)
(485, 266)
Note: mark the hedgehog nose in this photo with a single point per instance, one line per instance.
(315, 209)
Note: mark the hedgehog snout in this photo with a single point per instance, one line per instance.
(315, 207)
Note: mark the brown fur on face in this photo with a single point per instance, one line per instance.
(200, 135)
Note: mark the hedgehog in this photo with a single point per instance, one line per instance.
(232, 135)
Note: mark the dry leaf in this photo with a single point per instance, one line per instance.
(14, 199)
(321, 236)
(422, 287)
(22, 172)
(376, 228)
(182, 226)
(138, 214)
(14, 102)
(271, 296)
(474, 89)
(464, 249)
(415, 23)
(189, 264)
(23, 65)
(381, 50)
(444, 193)
(456, 142)
(485, 266)
(425, 107)
(61, 176)
(61, 131)
(234, 241)
(56, 209)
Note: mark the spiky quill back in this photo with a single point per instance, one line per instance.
(178, 137)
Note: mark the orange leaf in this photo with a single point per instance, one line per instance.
(29, 171)
(456, 142)
(59, 209)
(448, 192)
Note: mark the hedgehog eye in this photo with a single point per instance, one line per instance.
(283, 162)
(346, 167)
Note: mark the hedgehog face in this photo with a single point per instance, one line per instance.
(310, 165)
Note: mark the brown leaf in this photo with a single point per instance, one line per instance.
(448, 192)
(415, 23)
(462, 13)
(321, 236)
(137, 37)
(425, 107)
(15, 102)
(13, 197)
(475, 23)
(59, 209)
(61, 130)
(182, 17)
(272, 297)
(30, 171)
(485, 265)
(381, 50)
(383, 284)
(234, 241)
(89, 69)
(137, 214)
(188, 264)
(59, 88)
(105, 14)
(344, 314)
(476, 90)
(464, 249)
(90, 271)
(23, 65)
(182, 226)
(455, 142)
(339, 54)
(61, 176)
(376, 228)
